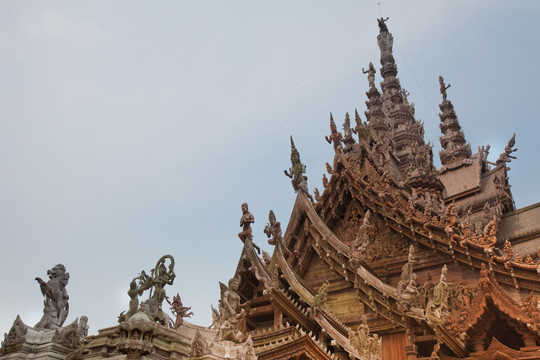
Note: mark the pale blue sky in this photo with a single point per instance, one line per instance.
(132, 129)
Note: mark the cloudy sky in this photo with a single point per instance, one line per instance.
(134, 129)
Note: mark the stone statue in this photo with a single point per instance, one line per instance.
(335, 136)
(231, 312)
(180, 311)
(371, 74)
(443, 88)
(56, 307)
(296, 172)
(159, 277)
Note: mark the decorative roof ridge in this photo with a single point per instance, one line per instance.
(490, 289)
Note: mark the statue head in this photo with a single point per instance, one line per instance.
(234, 283)
(245, 208)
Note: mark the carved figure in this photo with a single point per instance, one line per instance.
(17, 333)
(160, 276)
(407, 290)
(382, 24)
(335, 136)
(296, 172)
(68, 336)
(362, 240)
(56, 307)
(437, 307)
(322, 295)
(509, 148)
(83, 327)
(247, 352)
(443, 88)
(245, 222)
(371, 74)
(179, 310)
(199, 346)
(347, 132)
(273, 232)
(231, 312)
(369, 347)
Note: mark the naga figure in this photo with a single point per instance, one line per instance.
(443, 88)
(296, 172)
(179, 310)
(509, 148)
(371, 75)
(56, 307)
(231, 312)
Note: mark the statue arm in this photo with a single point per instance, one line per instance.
(328, 140)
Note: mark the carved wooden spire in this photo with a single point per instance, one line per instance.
(455, 147)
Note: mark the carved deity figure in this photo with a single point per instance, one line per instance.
(443, 88)
(296, 172)
(231, 312)
(384, 40)
(382, 24)
(56, 305)
(370, 347)
(437, 306)
(362, 240)
(407, 290)
(83, 327)
(245, 222)
(179, 310)
(159, 277)
(335, 136)
(371, 74)
(347, 131)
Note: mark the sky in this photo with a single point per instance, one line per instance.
(134, 129)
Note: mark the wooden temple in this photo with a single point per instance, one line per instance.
(393, 259)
